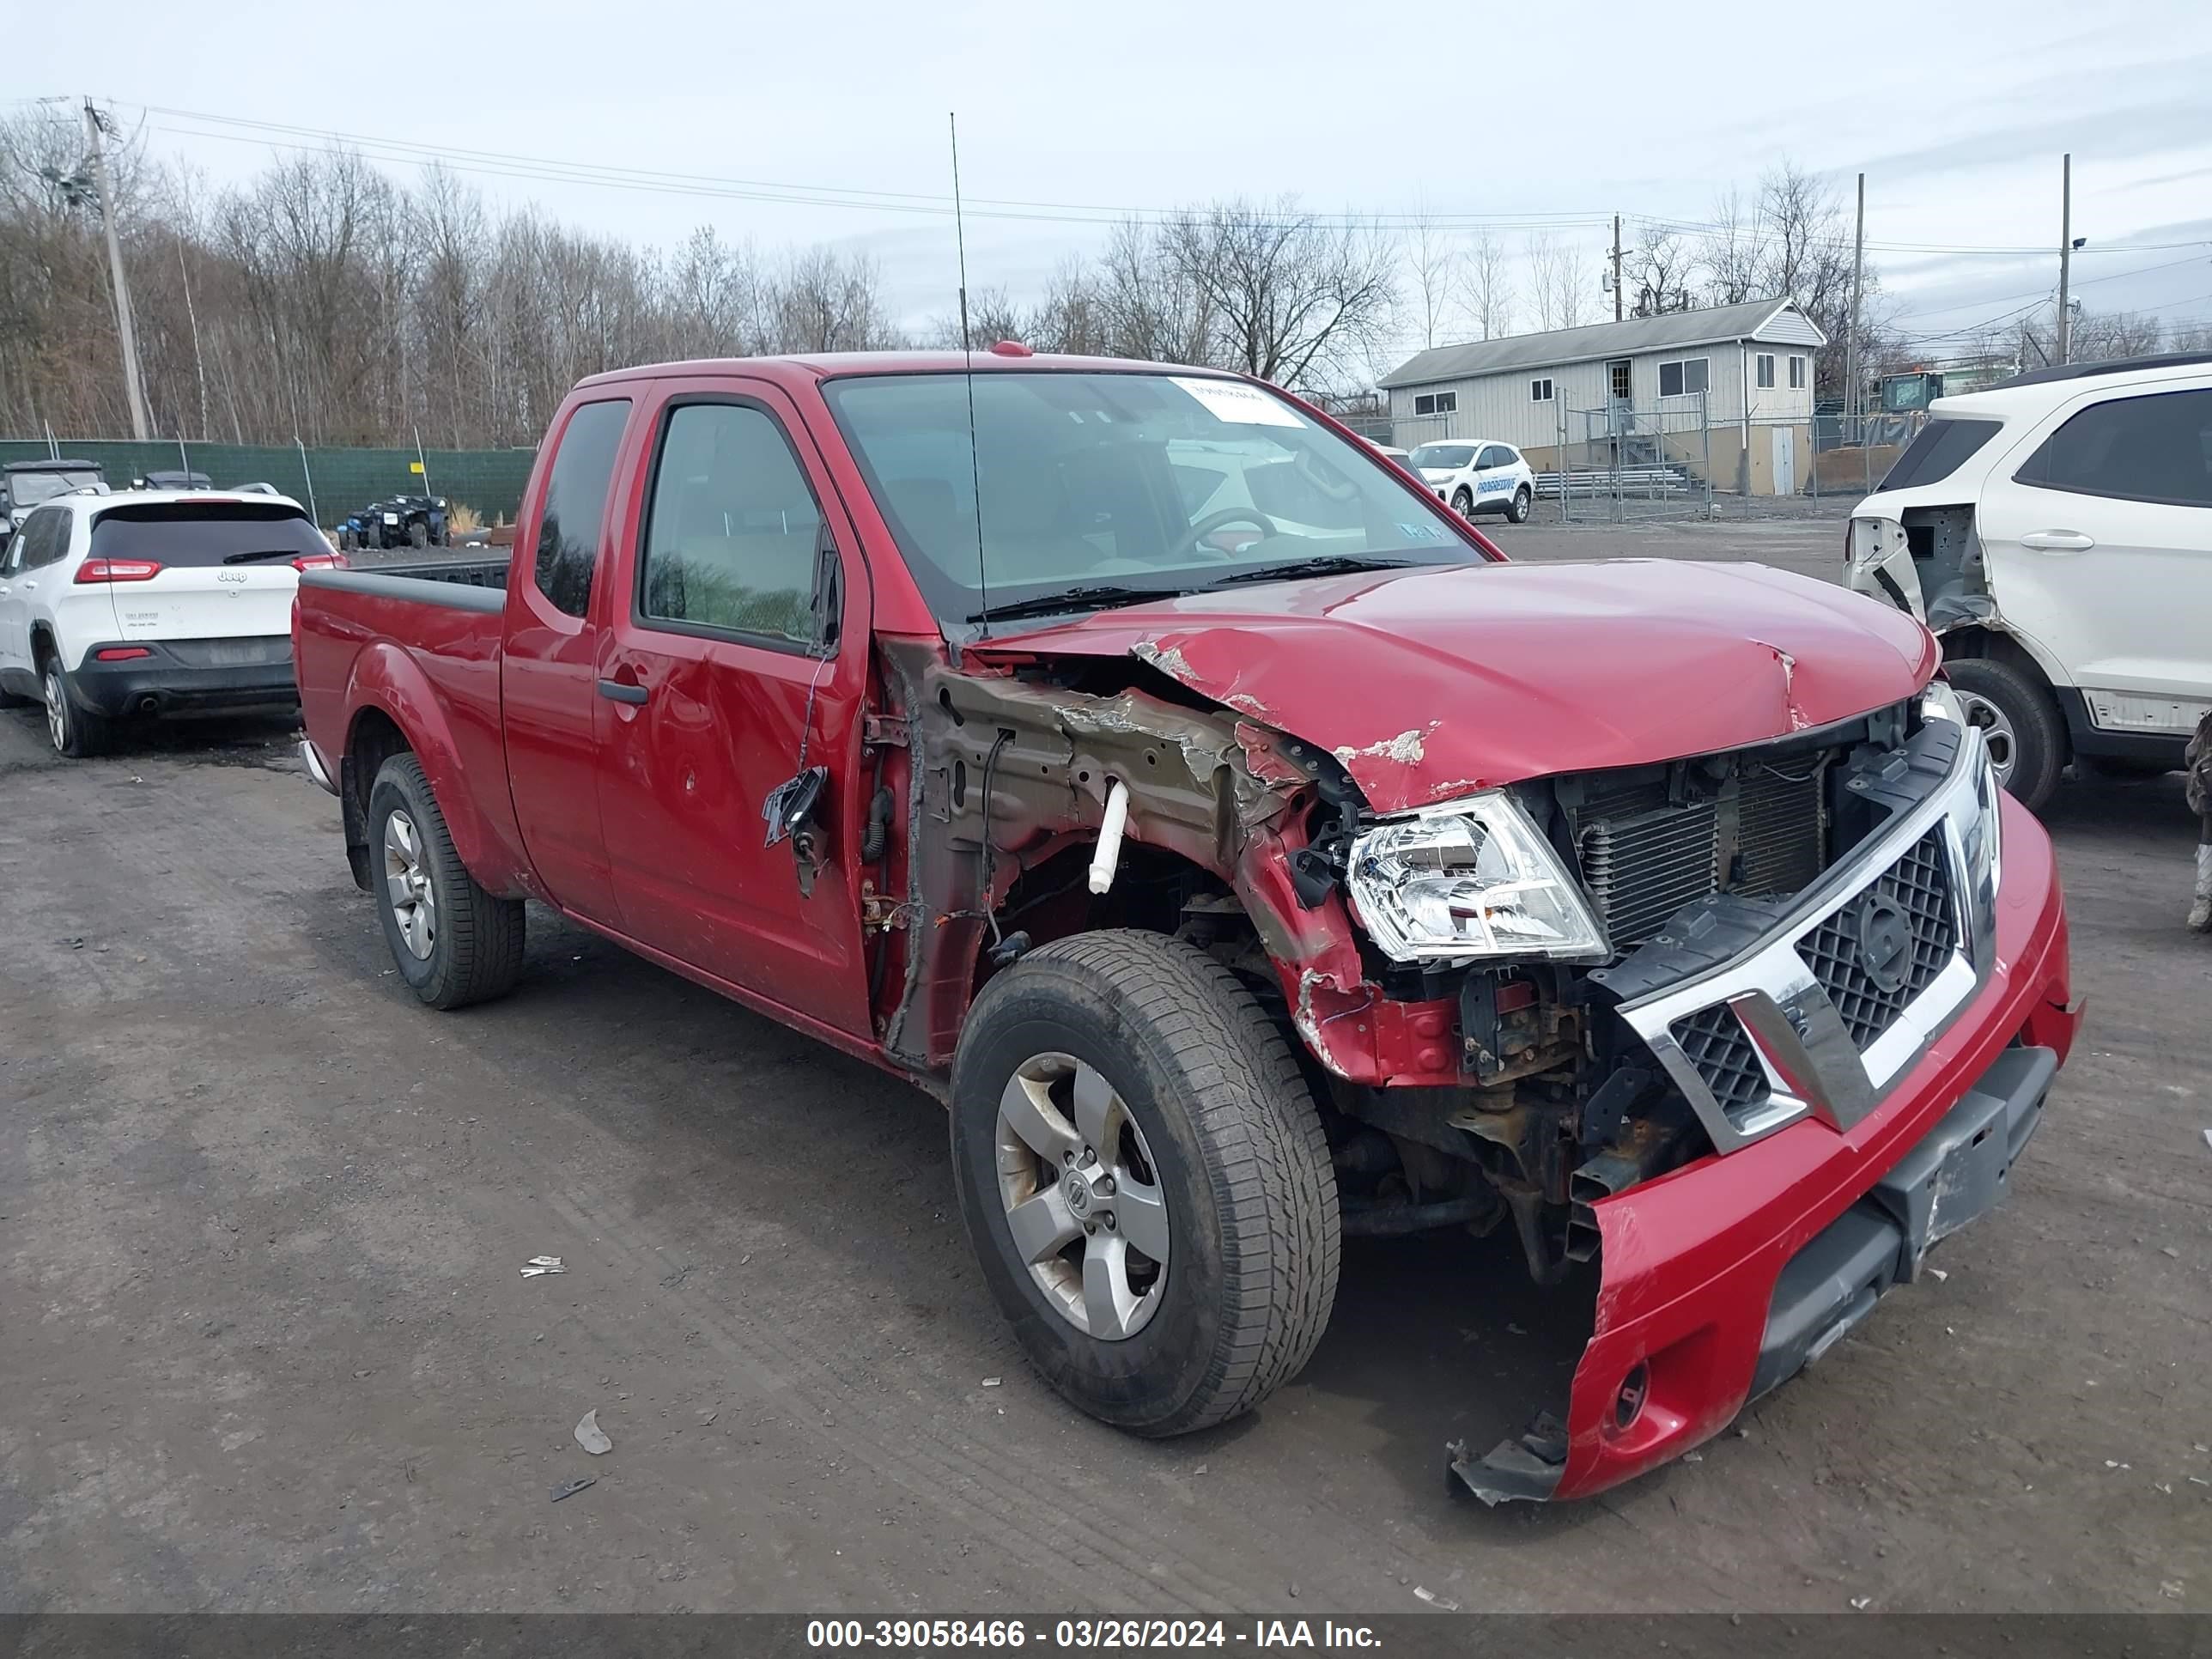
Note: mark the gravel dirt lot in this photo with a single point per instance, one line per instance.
(264, 1342)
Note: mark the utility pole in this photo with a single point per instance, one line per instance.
(141, 427)
(2065, 257)
(1851, 344)
(1616, 267)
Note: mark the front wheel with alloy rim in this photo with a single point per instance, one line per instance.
(1145, 1181)
(1463, 502)
(453, 943)
(75, 732)
(2020, 723)
(1518, 513)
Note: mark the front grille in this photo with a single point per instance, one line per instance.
(1714, 1040)
(1645, 854)
(1919, 884)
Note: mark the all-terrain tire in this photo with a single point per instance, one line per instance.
(1240, 1156)
(475, 949)
(418, 535)
(2030, 725)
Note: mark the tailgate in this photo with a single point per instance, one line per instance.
(199, 603)
(205, 568)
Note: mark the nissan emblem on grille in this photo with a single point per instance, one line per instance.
(1885, 943)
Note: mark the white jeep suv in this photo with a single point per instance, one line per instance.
(2056, 532)
(1477, 475)
(125, 606)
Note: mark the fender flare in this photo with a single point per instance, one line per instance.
(384, 678)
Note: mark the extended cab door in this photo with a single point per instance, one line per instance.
(737, 661)
(549, 662)
(2097, 532)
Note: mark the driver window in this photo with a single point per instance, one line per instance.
(734, 534)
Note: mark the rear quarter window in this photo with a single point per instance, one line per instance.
(2156, 448)
(199, 533)
(1938, 450)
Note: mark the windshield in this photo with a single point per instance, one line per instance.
(1444, 458)
(184, 533)
(28, 488)
(1118, 482)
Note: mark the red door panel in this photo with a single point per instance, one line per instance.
(715, 627)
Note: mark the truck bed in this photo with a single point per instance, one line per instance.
(424, 638)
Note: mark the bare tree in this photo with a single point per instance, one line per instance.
(1559, 282)
(1488, 287)
(1294, 300)
(1434, 265)
(1659, 272)
(1148, 305)
(1732, 255)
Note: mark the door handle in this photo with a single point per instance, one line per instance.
(2057, 541)
(616, 691)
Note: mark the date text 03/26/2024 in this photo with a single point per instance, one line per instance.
(1086, 1633)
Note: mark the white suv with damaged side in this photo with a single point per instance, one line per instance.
(2055, 531)
(115, 608)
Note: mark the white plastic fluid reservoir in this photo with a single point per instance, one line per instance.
(1104, 862)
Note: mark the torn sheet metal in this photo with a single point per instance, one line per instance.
(1512, 672)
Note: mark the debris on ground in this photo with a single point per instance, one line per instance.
(2208, 1137)
(1514, 1330)
(1294, 1592)
(706, 1417)
(591, 1437)
(1433, 1599)
(1860, 1603)
(1938, 1274)
(570, 1488)
(992, 1382)
(543, 1264)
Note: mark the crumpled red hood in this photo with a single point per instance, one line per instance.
(1429, 684)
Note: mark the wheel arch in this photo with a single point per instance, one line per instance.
(1990, 642)
(394, 709)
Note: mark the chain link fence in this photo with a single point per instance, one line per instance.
(1851, 452)
(1625, 462)
(330, 483)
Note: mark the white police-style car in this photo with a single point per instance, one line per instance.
(1477, 475)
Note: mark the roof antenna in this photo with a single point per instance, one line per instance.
(968, 356)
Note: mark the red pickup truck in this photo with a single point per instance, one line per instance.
(1244, 852)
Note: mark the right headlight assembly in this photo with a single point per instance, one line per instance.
(1475, 878)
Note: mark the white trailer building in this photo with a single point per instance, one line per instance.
(1728, 388)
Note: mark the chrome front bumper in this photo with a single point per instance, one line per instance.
(1771, 1032)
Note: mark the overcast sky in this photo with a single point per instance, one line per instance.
(1957, 113)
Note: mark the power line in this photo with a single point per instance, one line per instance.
(548, 169)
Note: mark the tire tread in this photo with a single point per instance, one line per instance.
(1266, 1156)
(485, 934)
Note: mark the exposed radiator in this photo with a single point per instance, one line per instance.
(1645, 856)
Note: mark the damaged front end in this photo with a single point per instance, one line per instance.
(1593, 990)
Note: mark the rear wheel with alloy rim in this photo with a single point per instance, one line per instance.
(1145, 1179)
(2019, 721)
(454, 942)
(75, 732)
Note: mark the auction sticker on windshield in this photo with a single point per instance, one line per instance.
(1247, 406)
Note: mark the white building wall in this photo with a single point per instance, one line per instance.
(1497, 406)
